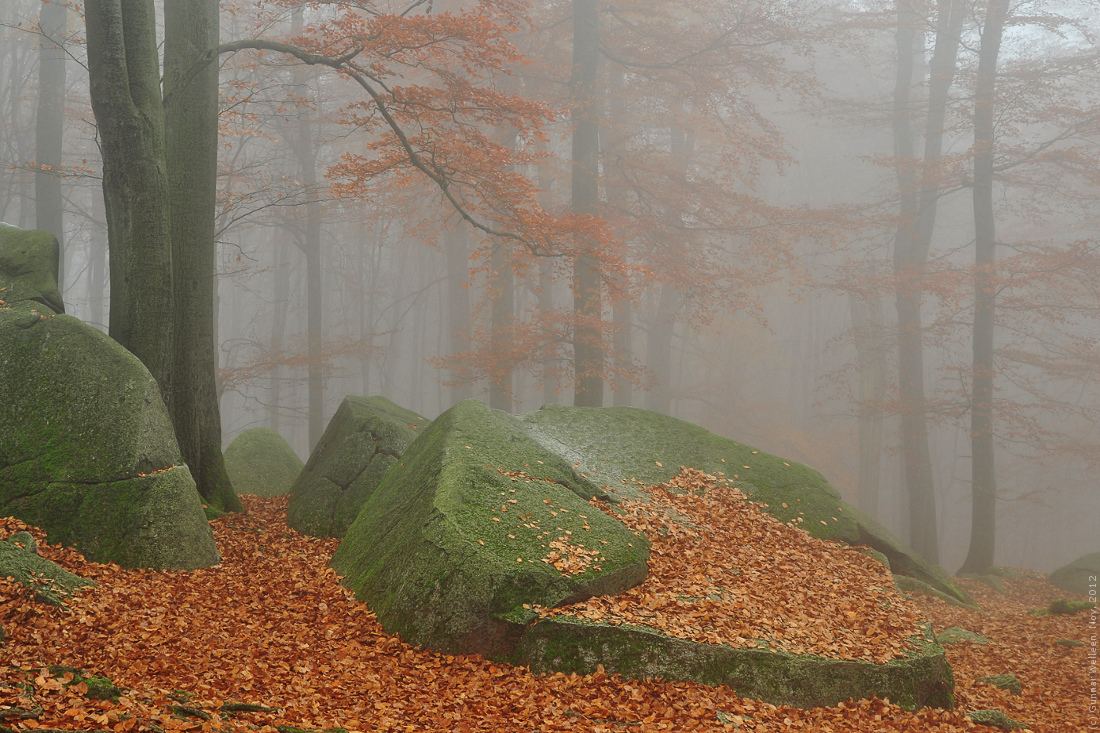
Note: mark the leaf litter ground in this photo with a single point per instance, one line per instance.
(271, 627)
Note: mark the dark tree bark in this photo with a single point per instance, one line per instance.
(191, 127)
(984, 487)
(917, 217)
(588, 356)
(50, 125)
(124, 76)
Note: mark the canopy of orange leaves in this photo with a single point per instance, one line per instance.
(271, 625)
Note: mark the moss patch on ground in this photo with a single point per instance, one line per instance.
(259, 461)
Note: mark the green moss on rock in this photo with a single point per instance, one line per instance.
(995, 718)
(259, 461)
(1004, 681)
(363, 441)
(569, 644)
(1076, 576)
(88, 453)
(448, 550)
(616, 446)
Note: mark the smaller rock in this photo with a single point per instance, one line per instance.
(24, 540)
(259, 461)
(995, 718)
(1069, 642)
(1075, 577)
(51, 583)
(1005, 682)
(955, 634)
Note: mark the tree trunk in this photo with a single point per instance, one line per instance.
(659, 349)
(457, 246)
(588, 353)
(910, 254)
(305, 152)
(280, 300)
(124, 74)
(502, 291)
(191, 127)
(49, 127)
(871, 357)
(984, 487)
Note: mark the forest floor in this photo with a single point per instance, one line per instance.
(271, 628)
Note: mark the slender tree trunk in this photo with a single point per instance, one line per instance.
(457, 246)
(280, 300)
(588, 356)
(502, 287)
(305, 152)
(124, 73)
(984, 487)
(659, 349)
(50, 125)
(622, 309)
(191, 126)
(871, 356)
(915, 226)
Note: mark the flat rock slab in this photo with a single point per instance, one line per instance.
(259, 461)
(87, 452)
(363, 441)
(565, 644)
(618, 447)
(457, 544)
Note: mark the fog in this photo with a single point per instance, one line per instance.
(758, 165)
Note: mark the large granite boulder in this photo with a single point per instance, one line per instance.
(617, 446)
(1078, 576)
(453, 549)
(259, 461)
(87, 452)
(362, 442)
(486, 523)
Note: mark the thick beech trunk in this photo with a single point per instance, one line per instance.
(191, 126)
(984, 486)
(124, 75)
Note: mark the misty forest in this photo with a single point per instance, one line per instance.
(859, 236)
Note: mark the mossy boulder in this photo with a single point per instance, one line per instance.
(455, 551)
(259, 461)
(617, 446)
(449, 550)
(956, 634)
(363, 441)
(1004, 681)
(995, 719)
(87, 452)
(51, 583)
(1078, 576)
